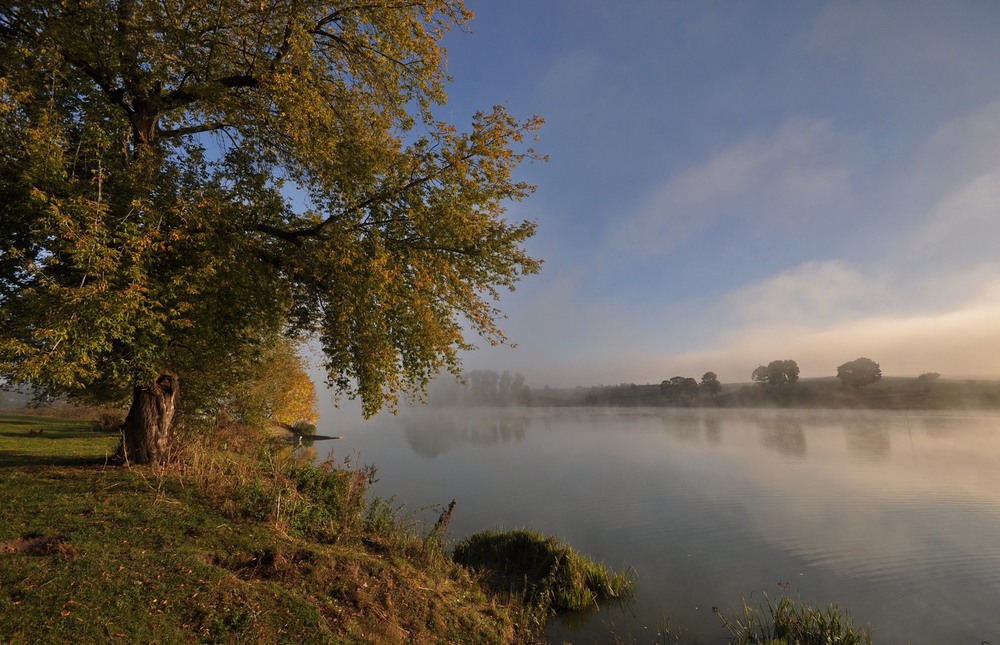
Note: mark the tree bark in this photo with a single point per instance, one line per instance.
(147, 428)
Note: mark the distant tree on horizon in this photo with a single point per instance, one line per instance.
(776, 373)
(710, 384)
(489, 387)
(859, 372)
(679, 388)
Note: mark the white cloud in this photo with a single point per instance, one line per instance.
(790, 175)
(819, 314)
(960, 343)
(814, 293)
(965, 146)
(965, 224)
(954, 189)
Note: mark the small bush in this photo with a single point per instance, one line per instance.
(542, 569)
(331, 501)
(108, 421)
(257, 499)
(304, 427)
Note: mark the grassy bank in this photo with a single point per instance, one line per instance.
(217, 552)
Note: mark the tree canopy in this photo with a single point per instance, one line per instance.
(776, 373)
(679, 388)
(860, 371)
(710, 384)
(182, 183)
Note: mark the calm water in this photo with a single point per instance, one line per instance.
(895, 515)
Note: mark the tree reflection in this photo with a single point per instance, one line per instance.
(713, 429)
(433, 435)
(868, 438)
(783, 435)
(683, 426)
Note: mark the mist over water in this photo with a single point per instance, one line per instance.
(894, 515)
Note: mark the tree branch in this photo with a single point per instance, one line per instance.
(193, 129)
(295, 236)
(180, 97)
(115, 94)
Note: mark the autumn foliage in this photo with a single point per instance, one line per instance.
(183, 184)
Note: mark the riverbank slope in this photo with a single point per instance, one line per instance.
(93, 553)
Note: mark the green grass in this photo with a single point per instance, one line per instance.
(550, 574)
(788, 622)
(92, 553)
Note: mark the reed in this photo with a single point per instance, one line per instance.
(795, 622)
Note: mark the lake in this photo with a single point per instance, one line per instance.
(894, 515)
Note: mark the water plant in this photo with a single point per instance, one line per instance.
(543, 570)
(793, 622)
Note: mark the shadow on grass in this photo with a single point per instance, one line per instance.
(9, 460)
(36, 441)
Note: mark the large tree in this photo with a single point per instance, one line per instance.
(183, 182)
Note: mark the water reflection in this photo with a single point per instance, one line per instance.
(868, 438)
(433, 435)
(713, 429)
(683, 426)
(783, 435)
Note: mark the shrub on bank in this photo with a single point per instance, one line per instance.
(525, 563)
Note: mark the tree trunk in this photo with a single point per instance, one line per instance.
(149, 422)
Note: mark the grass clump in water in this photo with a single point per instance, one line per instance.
(786, 621)
(542, 569)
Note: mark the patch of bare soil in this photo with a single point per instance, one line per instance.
(35, 544)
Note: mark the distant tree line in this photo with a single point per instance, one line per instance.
(686, 391)
(777, 383)
(483, 387)
(682, 389)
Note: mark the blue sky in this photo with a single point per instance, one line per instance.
(736, 182)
